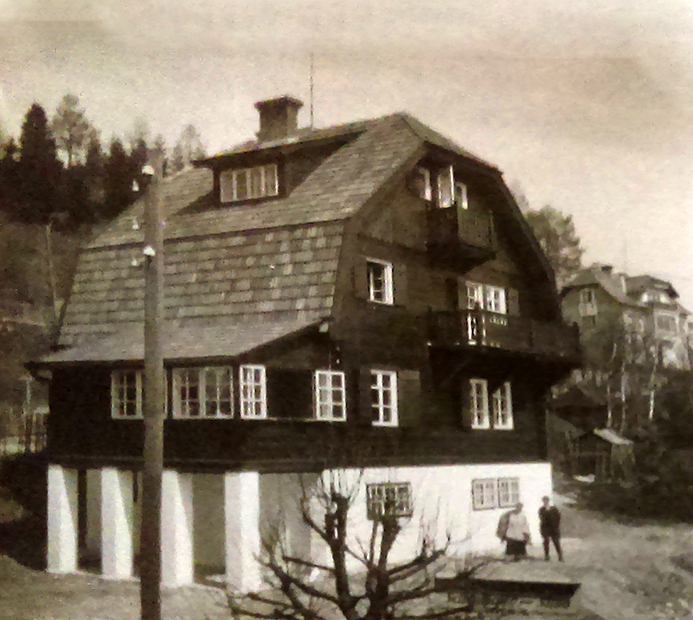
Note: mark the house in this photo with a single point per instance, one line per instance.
(597, 298)
(365, 298)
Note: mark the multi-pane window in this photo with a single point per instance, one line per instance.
(253, 391)
(126, 394)
(248, 183)
(384, 397)
(186, 392)
(379, 275)
(490, 493)
(330, 395)
(478, 403)
(508, 492)
(495, 299)
(498, 413)
(475, 295)
(203, 392)
(503, 407)
(484, 494)
(390, 499)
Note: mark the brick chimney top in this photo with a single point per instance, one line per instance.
(278, 117)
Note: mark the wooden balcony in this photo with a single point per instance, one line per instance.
(456, 236)
(481, 329)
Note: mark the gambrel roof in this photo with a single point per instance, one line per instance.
(230, 271)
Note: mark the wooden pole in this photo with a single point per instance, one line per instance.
(154, 406)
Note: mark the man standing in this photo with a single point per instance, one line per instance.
(513, 528)
(550, 528)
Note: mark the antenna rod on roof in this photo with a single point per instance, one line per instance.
(311, 91)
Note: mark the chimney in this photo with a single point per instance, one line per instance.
(278, 117)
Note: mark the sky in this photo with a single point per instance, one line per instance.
(583, 105)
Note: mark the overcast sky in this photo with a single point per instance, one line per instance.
(588, 106)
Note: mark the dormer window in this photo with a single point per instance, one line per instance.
(249, 183)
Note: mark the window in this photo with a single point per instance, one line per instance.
(484, 494)
(384, 397)
(248, 183)
(475, 295)
(503, 407)
(380, 288)
(253, 391)
(446, 188)
(479, 403)
(666, 323)
(202, 392)
(495, 299)
(499, 415)
(421, 183)
(461, 197)
(391, 499)
(330, 395)
(126, 394)
(489, 493)
(588, 303)
(508, 492)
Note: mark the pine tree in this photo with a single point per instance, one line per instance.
(39, 168)
(118, 178)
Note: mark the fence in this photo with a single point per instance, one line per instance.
(30, 437)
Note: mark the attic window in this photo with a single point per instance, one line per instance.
(249, 183)
(446, 188)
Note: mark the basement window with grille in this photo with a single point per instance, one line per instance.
(249, 183)
(389, 499)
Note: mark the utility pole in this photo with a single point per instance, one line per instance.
(150, 535)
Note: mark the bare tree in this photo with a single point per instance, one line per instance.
(71, 129)
(188, 148)
(303, 589)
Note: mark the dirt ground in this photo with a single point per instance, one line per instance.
(627, 571)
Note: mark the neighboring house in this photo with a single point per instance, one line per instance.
(597, 297)
(362, 297)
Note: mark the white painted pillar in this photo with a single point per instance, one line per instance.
(242, 516)
(94, 512)
(177, 553)
(62, 519)
(116, 523)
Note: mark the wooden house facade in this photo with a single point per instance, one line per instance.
(363, 298)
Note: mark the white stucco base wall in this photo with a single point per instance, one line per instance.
(443, 505)
(62, 520)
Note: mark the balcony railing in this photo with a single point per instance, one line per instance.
(452, 231)
(480, 328)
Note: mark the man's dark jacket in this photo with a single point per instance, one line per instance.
(549, 521)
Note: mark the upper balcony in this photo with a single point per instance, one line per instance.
(457, 236)
(483, 329)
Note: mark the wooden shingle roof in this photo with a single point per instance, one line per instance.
(249, 265)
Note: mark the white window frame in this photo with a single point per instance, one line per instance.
(502, 406)
(269, 183)
(425, 174)
(182, 407)
(494, 299)
(475, 295)
(446, 188)
(478, 404)
(484, 494)
(386, 291)
(329, 397)
(461, 195)
(508, 492)
(384, 382)
(252, 380)
(391, 499)
(119, 386)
